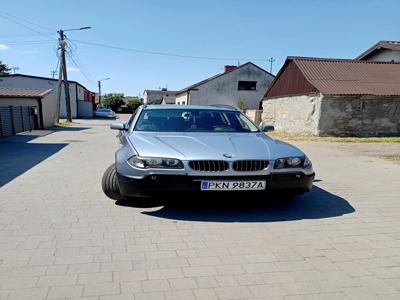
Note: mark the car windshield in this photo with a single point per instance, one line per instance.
(104, 110)
(193, 120)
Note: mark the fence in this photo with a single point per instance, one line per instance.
(14, 119)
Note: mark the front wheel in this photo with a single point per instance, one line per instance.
(109, 184)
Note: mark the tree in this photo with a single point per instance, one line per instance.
(4, 68)
(113, 101)
(242, 105)
(134, 102)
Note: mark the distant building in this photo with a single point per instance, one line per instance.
(82, 100)
(244, 84)
(151, 96)
(342, 97)
(382, 51)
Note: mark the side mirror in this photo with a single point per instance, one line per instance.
(118, 126)
(267, 127)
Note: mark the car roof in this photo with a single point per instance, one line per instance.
(190, 106)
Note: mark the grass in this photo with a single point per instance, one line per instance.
(393, 157)
(66, 124)
(332, 139)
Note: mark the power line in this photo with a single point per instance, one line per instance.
(81, 68)
(165, 53)
(26, 21)
(23, 25)
(22, 35)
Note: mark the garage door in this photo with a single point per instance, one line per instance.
(15, 119)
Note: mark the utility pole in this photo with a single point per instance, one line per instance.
(62, 77)
(53, 73)
(271, 60)
(15, 69)
(99, 85)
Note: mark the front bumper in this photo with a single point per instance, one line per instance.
(296, 182)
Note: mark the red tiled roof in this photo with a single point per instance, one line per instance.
(22, 93)
(390, 45)
(348, 77)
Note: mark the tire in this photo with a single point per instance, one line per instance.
(109, 183)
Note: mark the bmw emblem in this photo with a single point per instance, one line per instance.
(227, 155)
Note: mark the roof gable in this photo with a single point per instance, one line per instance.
(381, 45)
(193, 86)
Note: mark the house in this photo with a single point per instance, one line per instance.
(82, 100)
(25, 109)
(238, 86)
(342, 97)
(151, 96)
(382, 51)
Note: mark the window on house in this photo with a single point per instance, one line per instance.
(247, 85)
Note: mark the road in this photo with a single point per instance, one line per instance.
(61, 238)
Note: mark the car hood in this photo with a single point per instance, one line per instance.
(189, 146)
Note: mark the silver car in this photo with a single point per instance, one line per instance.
(103, 112)
(201, 149)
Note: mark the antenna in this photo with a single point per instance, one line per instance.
(271, 60)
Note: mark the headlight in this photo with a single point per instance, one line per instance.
(155, 162)
(292, 162)
(307, 163)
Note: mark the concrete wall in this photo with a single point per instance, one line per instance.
(224, 89)
(85, 109)
(38, 83)
(334, 115)
(386, 55)
(359, 116)
(254, 115)
(294, 114)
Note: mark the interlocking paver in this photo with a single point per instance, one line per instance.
(341, 241)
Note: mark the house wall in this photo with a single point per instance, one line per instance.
(85, 109)
(359, 116)
(224, 89)
(151, 96)
(28, 82)
(181, 99)
(385, 55)
(293, 114)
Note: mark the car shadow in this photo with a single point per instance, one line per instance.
(69, 128)
(18, 155)
(317, 204)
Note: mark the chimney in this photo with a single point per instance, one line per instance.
(229, 68)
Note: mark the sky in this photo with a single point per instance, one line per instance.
(202, 37)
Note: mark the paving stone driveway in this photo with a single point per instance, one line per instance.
(61, 238)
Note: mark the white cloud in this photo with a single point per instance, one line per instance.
(27, 52)
(71, 69)
(3, 47)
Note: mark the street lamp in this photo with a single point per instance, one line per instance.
(99, 84)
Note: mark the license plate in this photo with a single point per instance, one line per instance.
(248, 185)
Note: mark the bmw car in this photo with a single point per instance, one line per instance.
(203, 149)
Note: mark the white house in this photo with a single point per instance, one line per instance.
(245, 84)
(151, 96)
(82, 100)
(382, 51)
